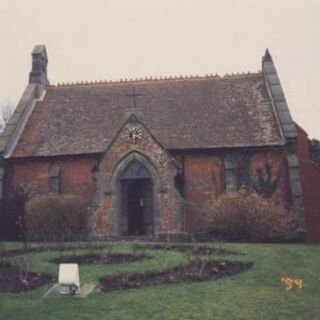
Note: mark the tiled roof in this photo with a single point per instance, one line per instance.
(198, 112)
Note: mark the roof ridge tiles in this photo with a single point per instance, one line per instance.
(180, 77)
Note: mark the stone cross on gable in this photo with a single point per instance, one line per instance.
(134, 110)
(134, 95)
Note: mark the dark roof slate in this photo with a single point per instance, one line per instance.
(200, 112)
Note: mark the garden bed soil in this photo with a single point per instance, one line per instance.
(195, 271)
(14, 280)
(19, 252)
(27, 250)
(100, 259)
(188, 248)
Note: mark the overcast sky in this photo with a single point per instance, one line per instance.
(112, 39)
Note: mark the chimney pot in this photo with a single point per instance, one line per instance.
(38, 74)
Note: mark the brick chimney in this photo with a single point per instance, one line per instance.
(38, 74)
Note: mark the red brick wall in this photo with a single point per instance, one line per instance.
(34, 176)
(27, 175)
(76, 177)
(204, 180)
(203, 177)
(279, 172)
(310, 179)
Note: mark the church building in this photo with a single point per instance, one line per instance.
(149, 155)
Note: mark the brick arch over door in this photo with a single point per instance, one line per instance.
(123, 167)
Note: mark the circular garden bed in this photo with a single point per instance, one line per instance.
(15, 280)
(100, 259)
(187, 248)
(194, 271)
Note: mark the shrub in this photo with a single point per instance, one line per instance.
(249, 217)
(56, 218)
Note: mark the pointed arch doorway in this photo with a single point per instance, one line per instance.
(137, 200)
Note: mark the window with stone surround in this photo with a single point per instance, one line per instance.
(54, 178)
(236, 168)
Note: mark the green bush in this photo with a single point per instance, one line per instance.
(56, 218)
(249, 217)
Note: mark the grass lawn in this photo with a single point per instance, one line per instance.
(254, 294)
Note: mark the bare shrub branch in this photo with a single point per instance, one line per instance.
(249, 217)
(6, 113)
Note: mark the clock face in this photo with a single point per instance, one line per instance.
(134, 134)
